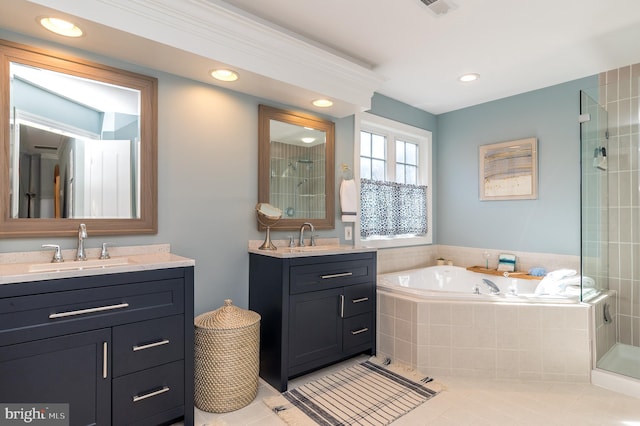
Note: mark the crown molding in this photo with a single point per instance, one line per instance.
(218, 31)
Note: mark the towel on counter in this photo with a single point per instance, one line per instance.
(348, 200)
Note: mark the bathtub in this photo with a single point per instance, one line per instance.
(430, 319)
(454, 282)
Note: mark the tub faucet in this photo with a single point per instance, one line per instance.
(82, 235)
(492, 286)
(311, 228)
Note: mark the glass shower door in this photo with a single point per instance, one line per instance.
(594, 197)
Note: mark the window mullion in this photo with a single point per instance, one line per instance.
(391, 157)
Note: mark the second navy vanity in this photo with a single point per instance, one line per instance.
(317, 305)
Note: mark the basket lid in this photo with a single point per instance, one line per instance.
(227, 317)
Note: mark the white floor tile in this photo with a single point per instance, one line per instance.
(474, 401)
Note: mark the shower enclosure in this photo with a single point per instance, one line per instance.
(610, 219)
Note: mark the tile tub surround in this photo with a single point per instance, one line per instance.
(542, 342)
(403, 258)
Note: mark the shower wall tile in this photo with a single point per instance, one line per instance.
(625, 329)
(626, 261)
(635, 80)
(624, 118)
(624, 82)
(620, 89)
(625, 297)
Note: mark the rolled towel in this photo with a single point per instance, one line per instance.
(555, 282)
(348, 200)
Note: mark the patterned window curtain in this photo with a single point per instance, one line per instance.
(390, 208)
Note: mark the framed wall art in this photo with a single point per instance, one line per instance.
(509, 170)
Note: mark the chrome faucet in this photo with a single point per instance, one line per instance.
(82, 235)
(312, 229)
(492, 286)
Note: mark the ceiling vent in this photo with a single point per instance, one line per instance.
(439, 7)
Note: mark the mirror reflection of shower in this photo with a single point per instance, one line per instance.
(297, 180)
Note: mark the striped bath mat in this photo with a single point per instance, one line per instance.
(365, 394)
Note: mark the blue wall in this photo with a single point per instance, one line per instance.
(549, 224)
(398, 111)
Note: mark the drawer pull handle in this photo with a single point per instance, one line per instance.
(137, 398)
(343, 274)
(105, 352)
(88, 311)
(362, 330)
(150, 345)
(362, 299)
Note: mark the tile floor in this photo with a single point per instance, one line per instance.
(475, 401)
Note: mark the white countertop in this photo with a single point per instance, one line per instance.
(16, 267)
(324, 247)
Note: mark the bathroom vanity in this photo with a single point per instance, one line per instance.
(113, 342)
(317, 306)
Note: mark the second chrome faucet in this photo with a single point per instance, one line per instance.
(312, 229)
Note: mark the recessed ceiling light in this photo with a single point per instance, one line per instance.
(466, 78)
(322, 103)
(308, 140)
(224, 75)
(61, 27)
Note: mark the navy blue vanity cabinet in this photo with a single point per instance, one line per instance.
(316, 310)
(118, 348)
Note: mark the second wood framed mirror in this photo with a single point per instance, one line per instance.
(296, 167)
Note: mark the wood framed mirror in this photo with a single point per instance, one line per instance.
(296, 167)
(78, 145)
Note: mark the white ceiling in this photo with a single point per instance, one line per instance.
(293, 51)
(515, 45)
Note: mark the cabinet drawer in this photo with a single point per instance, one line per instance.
(321, 276)
(64, 312)
(357, 331)
(146, 344)
(146, 393)
(358, 299)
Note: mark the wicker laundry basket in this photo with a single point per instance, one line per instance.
(227, 348)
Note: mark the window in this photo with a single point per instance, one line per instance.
(395, 192)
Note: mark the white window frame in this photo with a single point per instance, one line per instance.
(395, 130)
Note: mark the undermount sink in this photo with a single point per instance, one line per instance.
(78, 265)
(313, 248)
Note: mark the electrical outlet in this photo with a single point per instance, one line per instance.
(348, 233)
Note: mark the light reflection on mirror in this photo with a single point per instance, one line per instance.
(74, 146)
